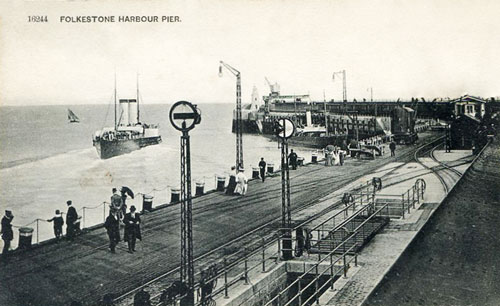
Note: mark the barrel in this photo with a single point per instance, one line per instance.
(25, 237)
(175, 195)
(300, 161)
(314, 158)
(270, 167)
(255, 172)
(147, 202)
(221, 182)
(200, 188)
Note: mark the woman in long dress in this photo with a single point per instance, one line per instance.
(241, 183)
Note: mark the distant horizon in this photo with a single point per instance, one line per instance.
(399, 49)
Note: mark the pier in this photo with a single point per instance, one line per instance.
(229, 230)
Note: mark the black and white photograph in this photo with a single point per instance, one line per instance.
(260, 153)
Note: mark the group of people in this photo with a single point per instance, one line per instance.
(238, 182)
(131, 220)
(72, 222)
(334, 156)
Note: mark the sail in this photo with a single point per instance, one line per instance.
(72, 117)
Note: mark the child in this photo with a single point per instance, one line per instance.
(58, 224)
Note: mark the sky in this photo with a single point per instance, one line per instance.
(401, 49)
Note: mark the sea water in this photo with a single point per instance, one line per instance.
(45, 160)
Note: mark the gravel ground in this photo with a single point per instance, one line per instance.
(454, 260)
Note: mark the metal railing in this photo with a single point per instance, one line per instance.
(330, 266)
(400, 204)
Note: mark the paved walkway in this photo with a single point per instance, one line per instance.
(377, 258)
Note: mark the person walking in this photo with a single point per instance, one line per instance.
(262, 168)
(232, 182)
(242, 183)
(392, 146)
(132, 228)
(292, 159)
(71, 220)
(112, 226)
(6, 231)
(58, 224)
(116, 204)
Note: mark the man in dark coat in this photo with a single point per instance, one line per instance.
(262, 168)
(71, 220)
(132, 228)
(292, 159)
(112, 226)
(392, 146)
(7, 233)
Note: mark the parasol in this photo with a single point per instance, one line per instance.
(128, 191)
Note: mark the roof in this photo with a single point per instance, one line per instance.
(469, 98)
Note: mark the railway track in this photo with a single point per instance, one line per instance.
(266, 230)
(446, 174)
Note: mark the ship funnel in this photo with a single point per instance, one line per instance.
(125, 114)
(132, 111)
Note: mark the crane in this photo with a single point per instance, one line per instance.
(239, 123)
(344, 86)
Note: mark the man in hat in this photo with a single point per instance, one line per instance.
(262, 168)
(112, 226)
(292, 158)
(132, 228)
(6, 230)
(242, 182)
(58, 224)
(71, 220)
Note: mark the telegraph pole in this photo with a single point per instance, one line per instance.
(184, 116)
(239, 123)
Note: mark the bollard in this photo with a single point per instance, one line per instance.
(200, 188)
(314, 158)
(25, 236)
(221, 182)
(300, 161)
(255, 172)
(147, 202)
(175, 195)
(270, 167)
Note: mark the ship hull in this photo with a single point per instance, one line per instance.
(316, 142)
(107, 149)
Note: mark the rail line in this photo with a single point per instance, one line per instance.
(150, 285)
(442, 168)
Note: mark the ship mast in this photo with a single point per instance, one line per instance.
(138, 121)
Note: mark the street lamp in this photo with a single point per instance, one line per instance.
(239, 123)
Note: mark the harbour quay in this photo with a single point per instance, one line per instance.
(351, 242)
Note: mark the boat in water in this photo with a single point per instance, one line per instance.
(72, 118)
(129, 133)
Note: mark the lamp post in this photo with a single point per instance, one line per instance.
(239, 123)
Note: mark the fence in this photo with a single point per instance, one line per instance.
(399, 204)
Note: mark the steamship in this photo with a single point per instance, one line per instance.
(128, 134)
